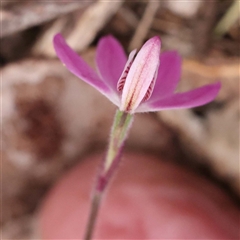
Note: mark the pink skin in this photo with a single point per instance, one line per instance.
(148, 199)
(147, 87)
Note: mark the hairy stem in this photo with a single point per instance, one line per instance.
(121, 125)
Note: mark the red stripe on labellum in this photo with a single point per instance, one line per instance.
(149, 92)
(122, 80)
(151, 87)
(123, 77)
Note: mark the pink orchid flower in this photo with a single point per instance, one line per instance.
(145, 83)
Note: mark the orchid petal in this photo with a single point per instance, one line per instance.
(140, 75)
(79, 67)
(169, 73)
(193, 98)
(110, 61)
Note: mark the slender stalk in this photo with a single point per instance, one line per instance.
(121, 125)
(93, 215)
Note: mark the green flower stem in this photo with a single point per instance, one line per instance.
(121, 125)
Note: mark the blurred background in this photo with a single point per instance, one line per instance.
(51, 119)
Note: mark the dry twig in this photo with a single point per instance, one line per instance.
(83, 33)
(144, 24)
(17, 17)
